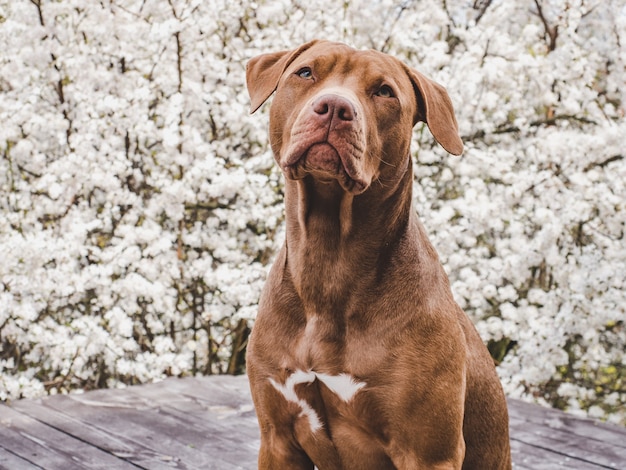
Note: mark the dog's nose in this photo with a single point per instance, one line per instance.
(334, 106)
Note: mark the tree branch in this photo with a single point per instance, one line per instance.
(481, 6)
(551, 31)
(507, 128)
(37, 3)
(603, 163)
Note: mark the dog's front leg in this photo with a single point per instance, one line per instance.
(409, 462)
(280, 455)
(429, 459)
(280, 446)
(306, 451)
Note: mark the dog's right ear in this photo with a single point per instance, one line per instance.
(264, 71)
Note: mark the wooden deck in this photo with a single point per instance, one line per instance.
(209, 423)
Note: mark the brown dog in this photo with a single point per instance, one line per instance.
(360, 358)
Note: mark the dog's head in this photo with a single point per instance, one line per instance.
(346, 115)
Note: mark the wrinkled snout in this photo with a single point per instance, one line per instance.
(334, 109)
(327, 140)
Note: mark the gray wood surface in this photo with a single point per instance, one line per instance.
(209, 423)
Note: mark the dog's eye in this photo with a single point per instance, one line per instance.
(305, 72)
(385, 91)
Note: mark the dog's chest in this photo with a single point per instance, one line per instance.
(318, 345)
(333, 348)
(329, 406)
(317, 394)
(326, 377)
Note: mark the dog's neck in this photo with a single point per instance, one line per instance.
(338, 244)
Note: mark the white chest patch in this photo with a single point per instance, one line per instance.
(342, 385)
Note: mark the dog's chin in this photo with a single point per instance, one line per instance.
(323, 163)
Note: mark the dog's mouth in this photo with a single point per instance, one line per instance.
(325, 163)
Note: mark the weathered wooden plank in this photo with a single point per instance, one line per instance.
(563, 442)
(556, 419)
(44, 446)
(156, 440)
(205, 427)
(204, 434)
(91, 434)
(219, 390)
(218, 409)
(238, 426)
(10, 461)
(529, 457)
(207, 391)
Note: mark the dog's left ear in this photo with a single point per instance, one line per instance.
(264, 71)
(435, 109)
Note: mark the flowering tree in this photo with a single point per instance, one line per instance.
(141, 205)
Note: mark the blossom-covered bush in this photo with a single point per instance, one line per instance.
(141, 206)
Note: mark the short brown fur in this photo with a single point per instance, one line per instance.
(358, 288)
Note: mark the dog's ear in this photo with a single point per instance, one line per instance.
(264, 71)
(435, 109)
